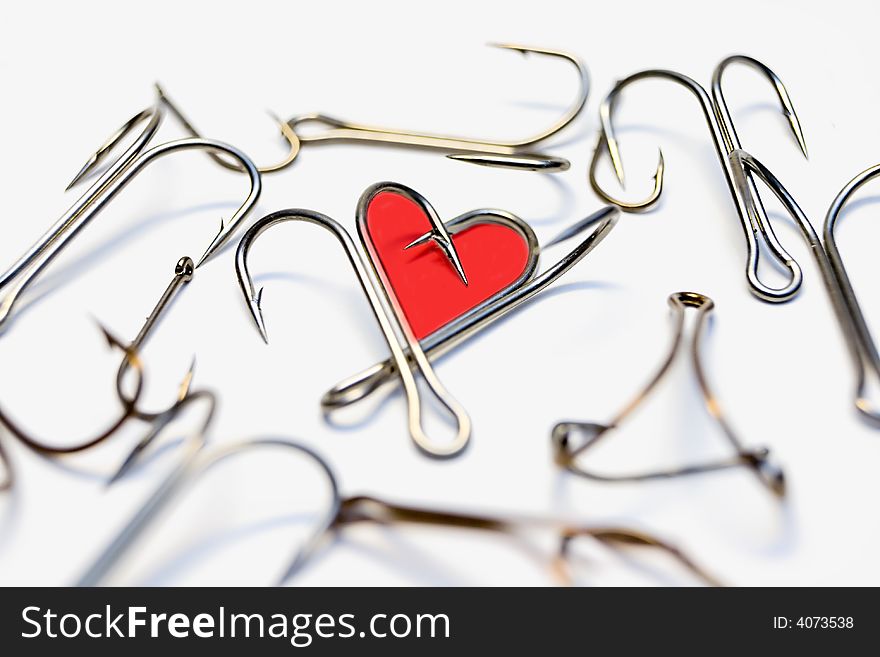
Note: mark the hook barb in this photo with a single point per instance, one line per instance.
(572, 439)
(442, 239)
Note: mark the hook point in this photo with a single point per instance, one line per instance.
(661, 167)
(802, 143)
(186, 382)
(215, 243)
(82, 172)
(275, 117)
(255, 306)
(510, 46)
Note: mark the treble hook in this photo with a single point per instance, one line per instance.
(254, 301)
(571, 439)
(741, 186)
(507, 154)
(128, 409)
(193, 444)
(363, 384)
(24, 271)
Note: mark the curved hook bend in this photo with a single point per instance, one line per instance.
(741, 186)
(362, 385)
(724, 116)
(343, 511)
(128, 410)
(16, 280)
(184, 271)
(862, 345)
(254, 301)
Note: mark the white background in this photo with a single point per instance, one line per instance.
(72, 72)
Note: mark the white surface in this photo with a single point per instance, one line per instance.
(72, 72)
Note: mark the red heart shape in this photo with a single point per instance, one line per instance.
(423, 281)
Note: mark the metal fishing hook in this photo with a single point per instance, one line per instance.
(184, 271)
(8, 479)
(836, 281)
(571, 439)
(364, 508)
(362, 385)
(128, 410)
(749, 206)
(386, 321)
(342, 511)
(121, 172)
(293, 141)
(507, 154)
(861, 343)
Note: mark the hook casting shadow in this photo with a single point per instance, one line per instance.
(741, 186)
(386, 320)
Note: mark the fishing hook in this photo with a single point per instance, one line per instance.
(741, 186)
(507, 154)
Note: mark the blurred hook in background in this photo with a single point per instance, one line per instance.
(360, 386)
(386, 320)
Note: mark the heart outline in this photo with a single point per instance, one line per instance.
(454, 226)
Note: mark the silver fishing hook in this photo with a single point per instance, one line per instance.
(862, 345)
(362, 385)
(120, 173)
(385, 319)
(741, 186)
(571, 439)
(342, 511)
(507, 154)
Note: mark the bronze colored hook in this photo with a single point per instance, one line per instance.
(506, 154)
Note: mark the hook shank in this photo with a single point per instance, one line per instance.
(362, 385)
